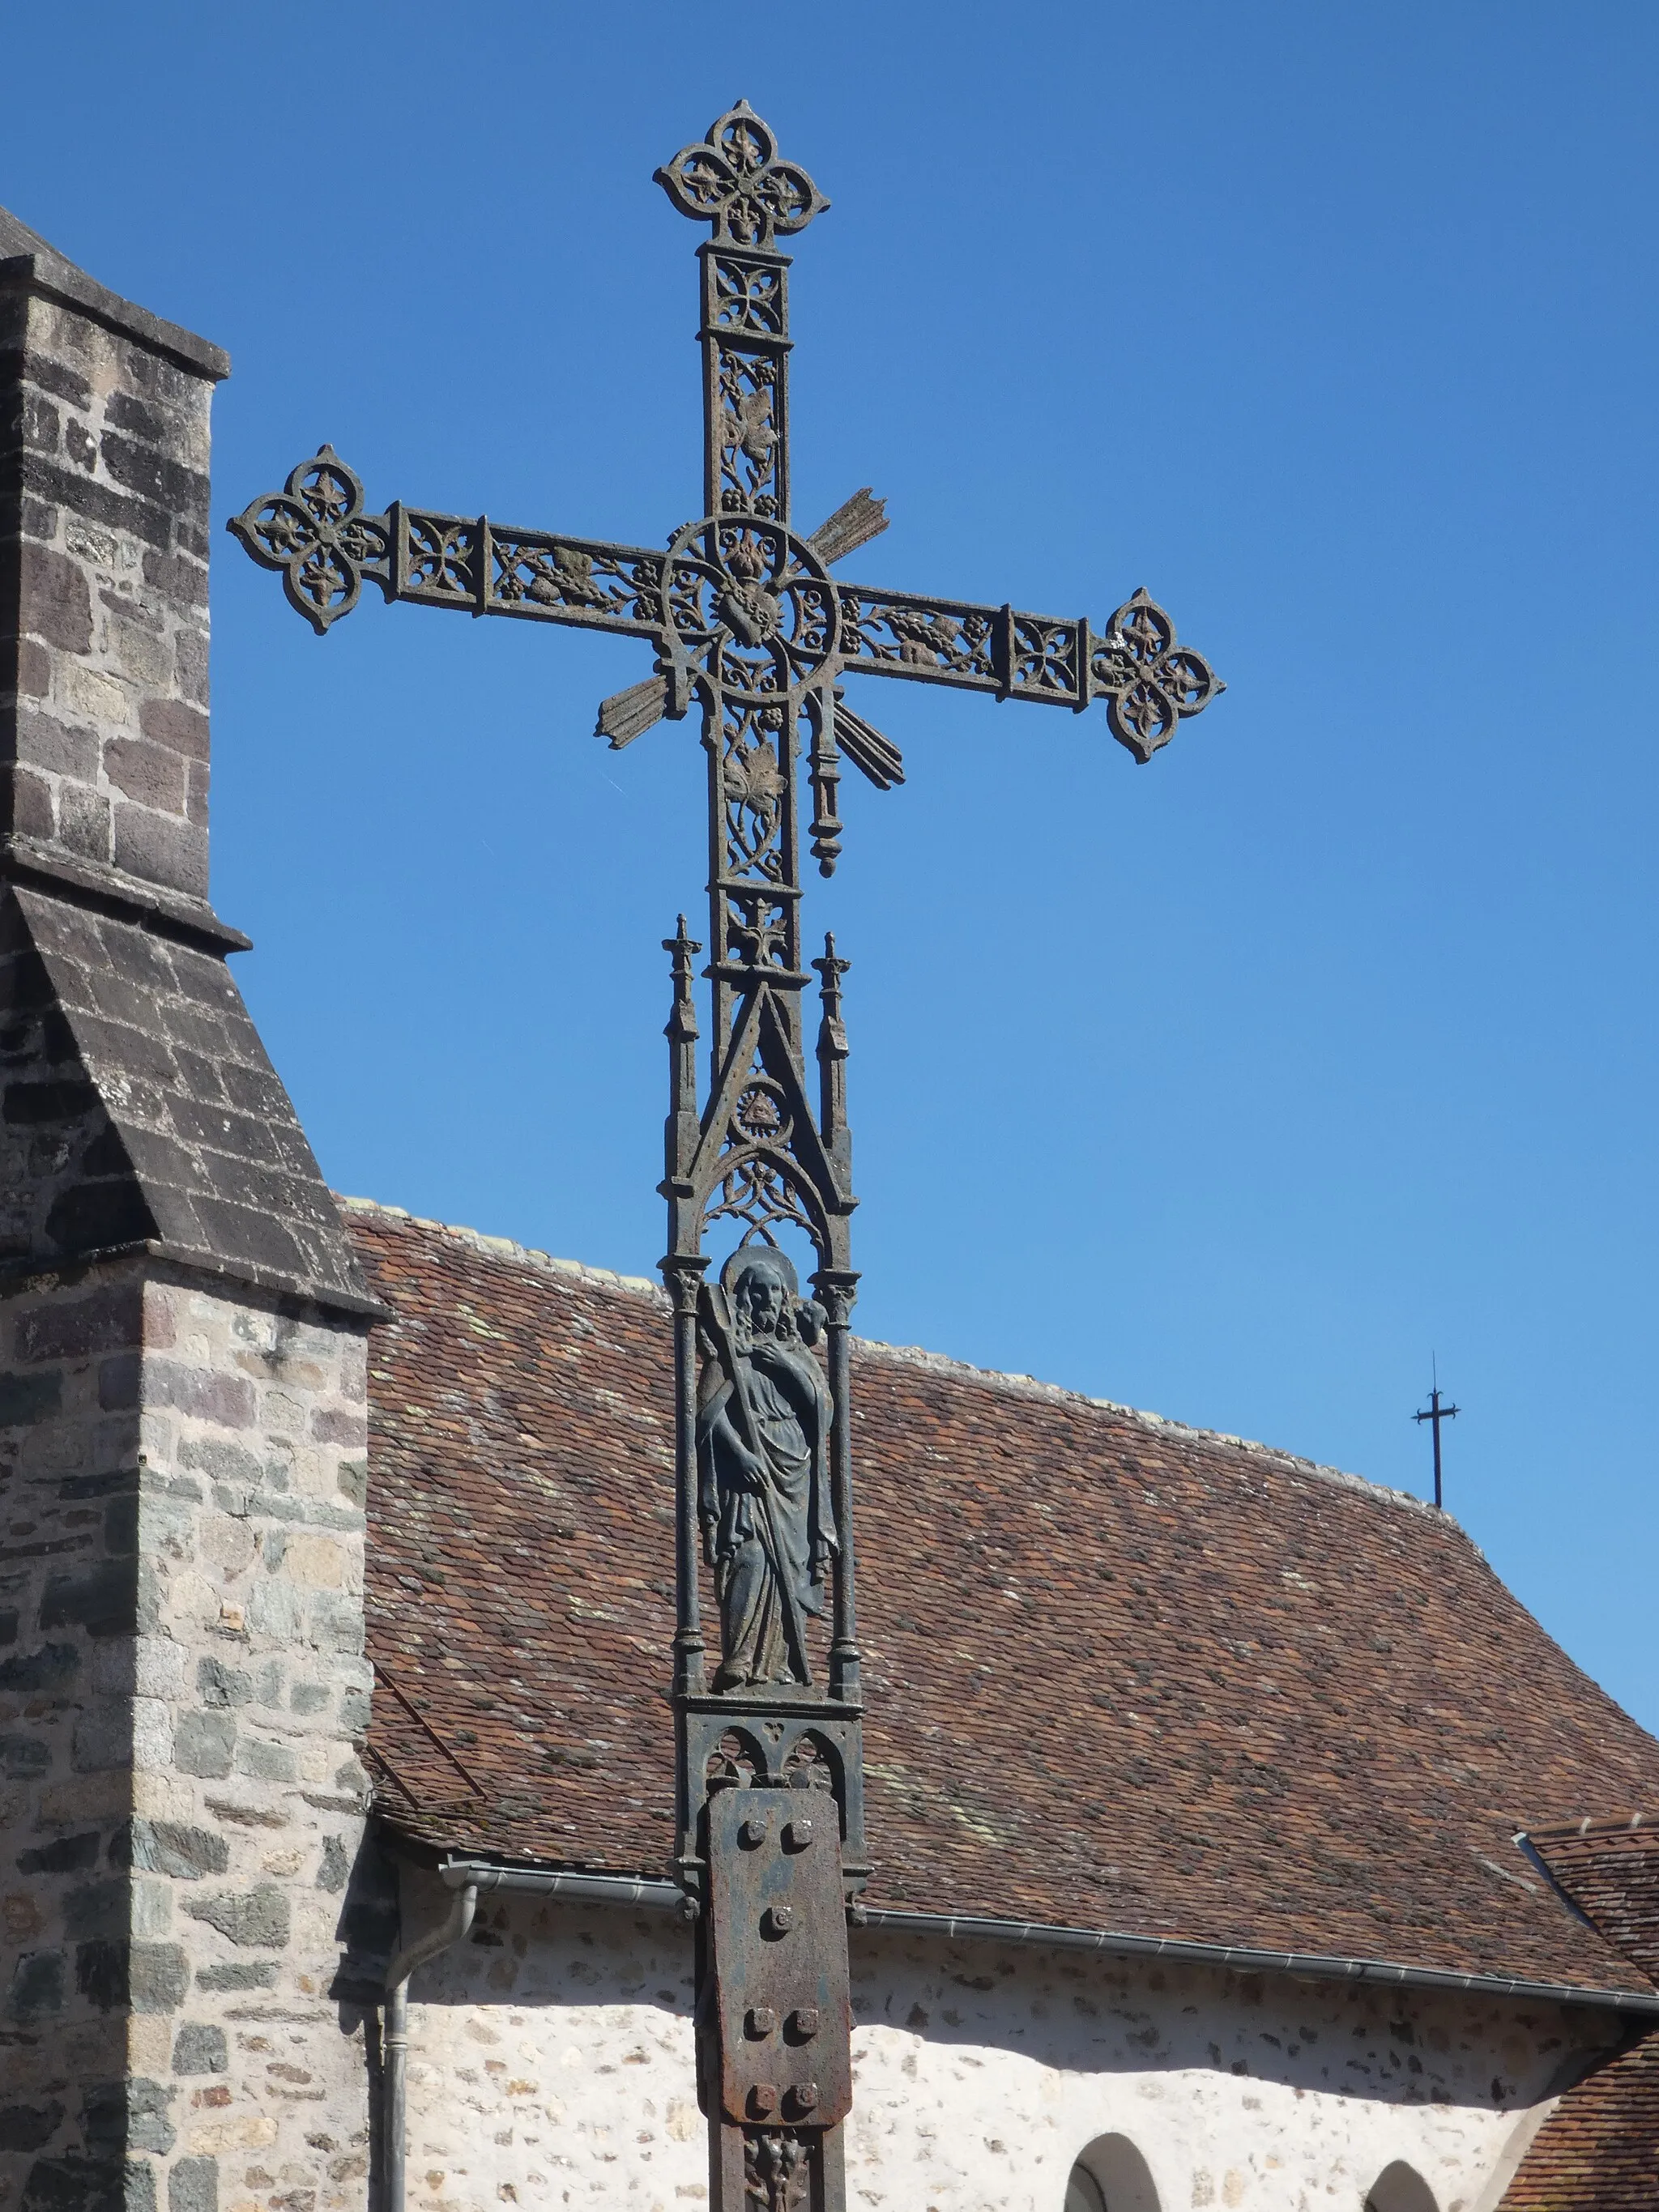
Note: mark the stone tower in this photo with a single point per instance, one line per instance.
(183, 1332)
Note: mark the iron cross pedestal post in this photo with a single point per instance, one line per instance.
(745, 622)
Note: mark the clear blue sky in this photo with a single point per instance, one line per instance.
(1231, 1086)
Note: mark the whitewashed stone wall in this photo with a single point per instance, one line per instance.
(182, 1695)
(551, 2065)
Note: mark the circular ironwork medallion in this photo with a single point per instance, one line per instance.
(750, 605)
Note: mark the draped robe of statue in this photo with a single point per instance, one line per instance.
(768, 1535)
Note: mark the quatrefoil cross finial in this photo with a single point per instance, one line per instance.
(734, 179)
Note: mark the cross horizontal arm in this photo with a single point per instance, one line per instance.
(315, 532)
(1148, 679)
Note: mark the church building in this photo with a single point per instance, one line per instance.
(1237, 1840)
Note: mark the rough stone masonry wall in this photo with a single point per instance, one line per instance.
(108, 574)
(551, 2066)
(182, 1696)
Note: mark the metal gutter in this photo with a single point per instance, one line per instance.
(480, 1874)
(1310, 1965)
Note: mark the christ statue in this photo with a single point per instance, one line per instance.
(763, 1414)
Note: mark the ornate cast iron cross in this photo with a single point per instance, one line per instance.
(744, 619)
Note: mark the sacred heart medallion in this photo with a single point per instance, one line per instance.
(751, 612)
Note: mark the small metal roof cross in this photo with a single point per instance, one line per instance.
(1437, 1413)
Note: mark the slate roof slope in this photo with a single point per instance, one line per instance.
(1122, 1675)
(140, 1108)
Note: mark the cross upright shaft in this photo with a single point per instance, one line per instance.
(745, 620)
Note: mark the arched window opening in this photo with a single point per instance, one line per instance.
(1400, 2188)
(1111, 2176)
(1083, 2192)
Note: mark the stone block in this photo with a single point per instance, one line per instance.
(149, 773)
(274, 1610)
(183, 580)
(107, 1319)
(52, 1666)
(228, 1400)
(56, 600)
(124, 1731)
(191, 667)
(170, 1847)
(29, 2126)
(27, 1397)
(22, 1918)
(98, 1908)
(229, 1543)
(83, 822)
(150, 1667)
(118, 1379)
(160, 1975)
(57, 748)
(33, 814)
(143, 469)
(24, 1754)
(159, 848)
(264, 1761)
(222, 1460)
(64, 1855)
(151, 1908)
(163, 1797)
(245, 2131)
(182, 729)
(254, 1919)
(220, 1685)
(81, 2185)
(318, 1561)
(204, 1743)
(99, 696)
(193, 2185)
(337, 1623)
(113, 1974)
(103, 1600)
(37, 1985)
(128, 2115)
(200, 2048)
(33, 669)
(238, 1974)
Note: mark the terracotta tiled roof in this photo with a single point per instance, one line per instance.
(1599, 2150)
(1121, 1674)
(1610, 1869)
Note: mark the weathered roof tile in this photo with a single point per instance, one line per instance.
(1121, 1674)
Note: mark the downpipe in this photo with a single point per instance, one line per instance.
(394, 2136)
